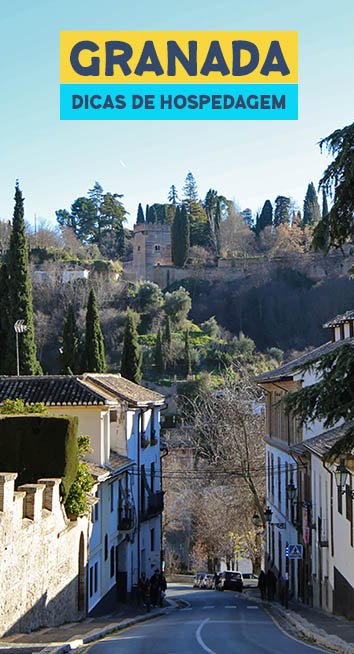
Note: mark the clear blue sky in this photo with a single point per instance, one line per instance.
(248, 161)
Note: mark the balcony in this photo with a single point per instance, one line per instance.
(126, 522)
(144, 442)
(154, 506)
(153, 439)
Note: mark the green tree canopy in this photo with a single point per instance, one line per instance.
(94, 343)
(71, 349)
(187, 361)
(337, 227)
(173, 195)
(180, 239)
(131, 356)
(265, 218)
(178, 305)
(20, 296)
(140, 219)
(312, 212)
(282, 210)
(159, 358)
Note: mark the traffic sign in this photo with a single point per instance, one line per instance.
(295, 551)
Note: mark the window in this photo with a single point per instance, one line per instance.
(152, 474)
(279, 482)
(106, 547)
(280, 555)
(142, 490)
(152, 540)
(112, 561)
(157, 248)
(112, 496)
(96, 577)
(91, 581)
(95, 513)
(138, 248)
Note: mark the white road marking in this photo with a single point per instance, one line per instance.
(209, 606)
(231, 606)
(253, 607)
(187, 608)
(200, 639)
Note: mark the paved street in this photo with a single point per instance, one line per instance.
(214, 622)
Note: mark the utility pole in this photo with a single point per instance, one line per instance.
(20, 328)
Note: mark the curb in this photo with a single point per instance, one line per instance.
(307, 629)
(68, 646)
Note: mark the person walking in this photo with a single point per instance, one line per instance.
(163, 587)
(155, 588)
(144, 591)
(271, 582)
(262, 584)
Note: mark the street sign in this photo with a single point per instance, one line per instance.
(295, 551)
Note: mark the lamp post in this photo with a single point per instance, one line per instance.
(20, 328)
(341, 475)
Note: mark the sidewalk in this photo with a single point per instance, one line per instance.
(57, 640)
(332, 631)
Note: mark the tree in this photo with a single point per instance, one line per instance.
(180, 237)
(71, 351)
(281, 211)
(228, 434)
(167, 337)
(187, 355)
(173, 195)
(148, 303)
(159, 358)
(215, 205)
(211, 327)
(94, 343)
(20, 296)
(140, 219)
(5, 326)
(197, 218)
(337, 227)
(325, 210)
(177, 306)
(265, 218)
(331, 398)
(152, 215)
(131, 357)
(312, 212)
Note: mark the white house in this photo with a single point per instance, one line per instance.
(123, 422)
(305, 506)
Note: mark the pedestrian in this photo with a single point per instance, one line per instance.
(144, 591)
(163, 588)
(262, 584)
(155, 588)
(271, 582)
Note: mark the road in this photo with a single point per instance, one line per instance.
(215, 623)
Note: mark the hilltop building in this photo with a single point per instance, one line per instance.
(151, 248)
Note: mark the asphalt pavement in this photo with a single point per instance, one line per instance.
(212, 622)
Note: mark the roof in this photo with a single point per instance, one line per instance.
(340, 319)
(289, 369)
(323, 443)
(117, 463)
(124, 389)
(52, 390)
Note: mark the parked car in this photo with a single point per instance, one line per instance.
(249, 580)
(208, 582)
(229, 580)
(198, 579)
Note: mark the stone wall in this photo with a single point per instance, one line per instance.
(42, 557)
(314, 265)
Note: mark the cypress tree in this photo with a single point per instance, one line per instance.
(281, 211)
(140, 219)
(71, 344)
(167, 339)
(159, 359)
(266, 216)
(180, 237)
(147, 213)
(311, 213)
(173, 195)
(131, 357)
(152, 216)
(325, 210)
(5, 327)
(187, 355)
(20, 296)
(94, 343)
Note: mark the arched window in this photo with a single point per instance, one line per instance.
(157, 247)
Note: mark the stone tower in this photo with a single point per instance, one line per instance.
(151, 247)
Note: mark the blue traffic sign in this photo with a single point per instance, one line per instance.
(294, 551)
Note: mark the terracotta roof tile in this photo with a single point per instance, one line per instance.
(124, 389)
(52, 390)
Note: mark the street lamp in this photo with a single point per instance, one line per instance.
(291, 492)
(341, 475)
(268, 514)
(20, 328)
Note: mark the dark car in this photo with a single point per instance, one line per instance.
(229, 580)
